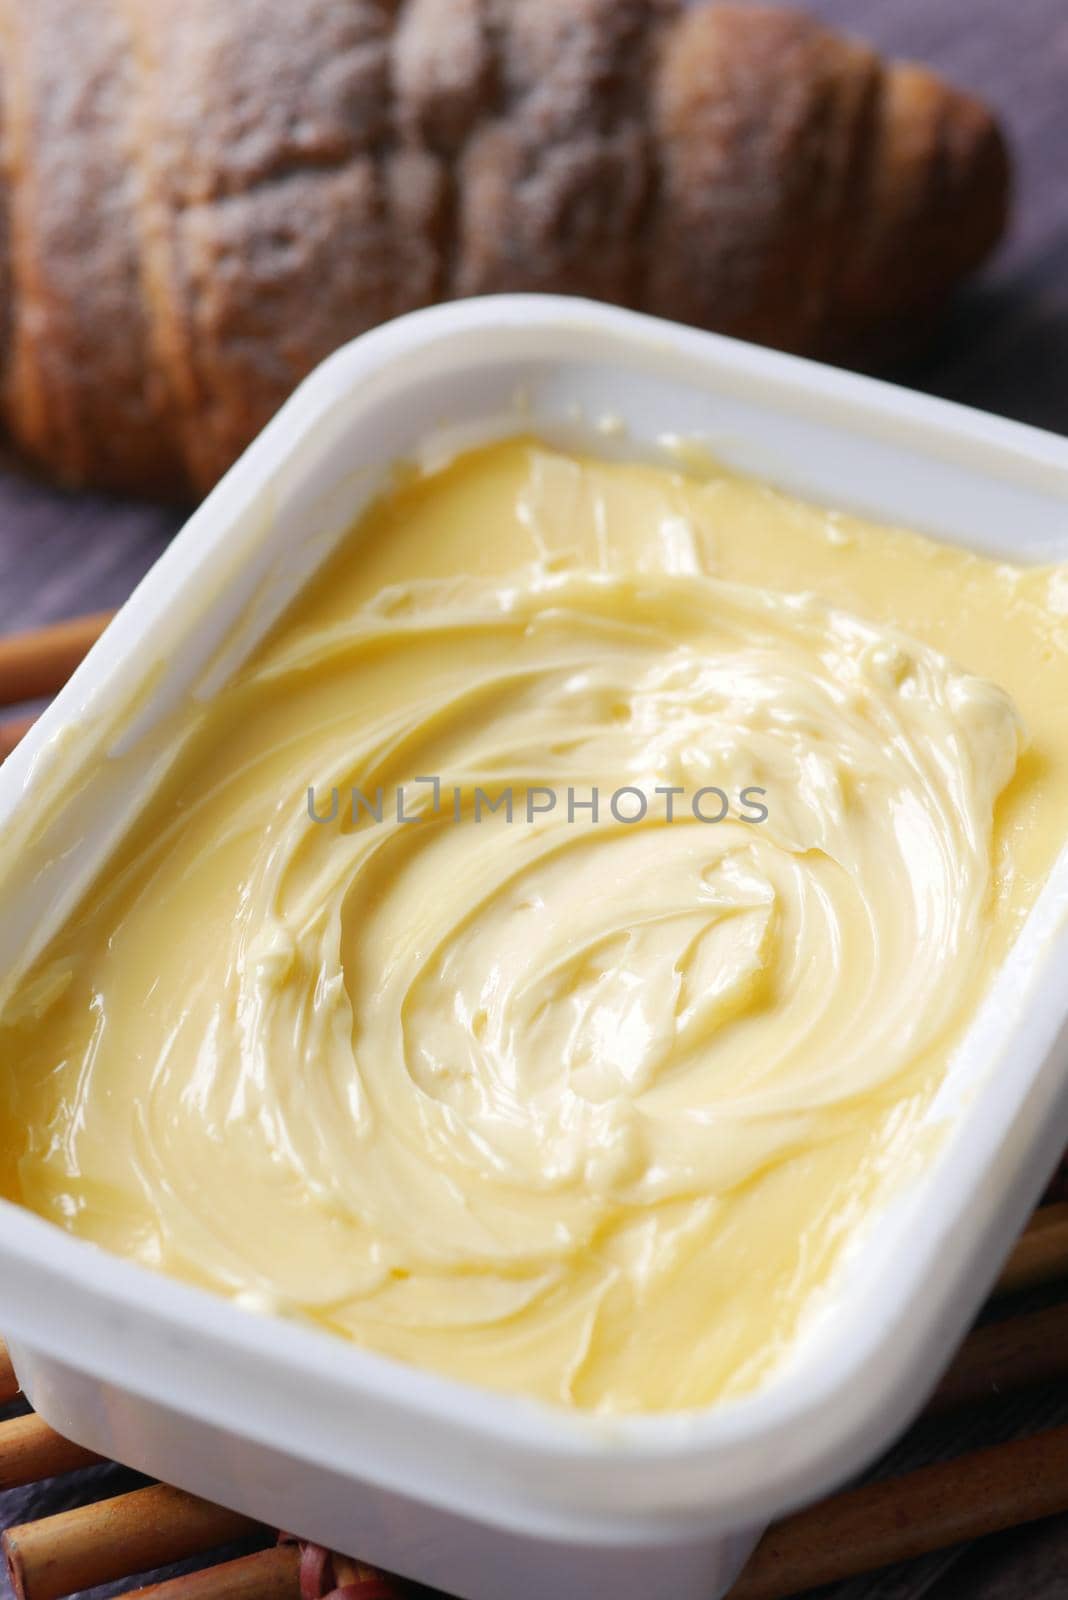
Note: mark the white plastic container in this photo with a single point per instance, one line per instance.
(480, 1494)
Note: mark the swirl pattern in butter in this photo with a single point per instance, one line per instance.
(568, 1096)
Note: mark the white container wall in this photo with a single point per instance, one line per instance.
(478, 1493)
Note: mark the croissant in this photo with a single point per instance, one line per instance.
(204, 197)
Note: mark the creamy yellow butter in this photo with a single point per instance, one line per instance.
(579, 1106)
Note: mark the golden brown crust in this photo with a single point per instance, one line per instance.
(552, 189)
(935, 204)
(203, 200)
(78, 389)
(287, 217)
(759, 175)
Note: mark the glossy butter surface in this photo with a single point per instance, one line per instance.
(574, 1105)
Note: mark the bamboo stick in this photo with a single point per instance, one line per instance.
(9, 1384)
(30, 1450)
(116, 1538)
(12, 732)
(353, 1579)
(1005, 1358)
(272, 1574)
(902, 1518)
(1041, 1253)
(37, 664)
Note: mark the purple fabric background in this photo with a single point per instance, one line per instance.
(1005, 347)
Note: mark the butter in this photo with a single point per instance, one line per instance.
(581, 1099)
